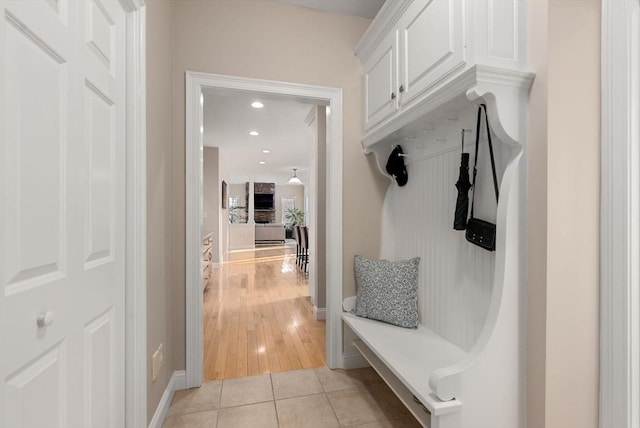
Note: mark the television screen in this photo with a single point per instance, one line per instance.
(263, 202)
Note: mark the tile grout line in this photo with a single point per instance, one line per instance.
(324, 391)
(333, 409)
(273, 394)
(219, 403)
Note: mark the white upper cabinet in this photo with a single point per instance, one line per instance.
(431, 44)
(381, 80)
(414, 48)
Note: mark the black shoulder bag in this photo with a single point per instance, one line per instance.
(481, 232)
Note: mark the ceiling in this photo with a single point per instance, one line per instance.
(364, 8)
(283, 128)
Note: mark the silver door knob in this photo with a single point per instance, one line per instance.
(45, 319)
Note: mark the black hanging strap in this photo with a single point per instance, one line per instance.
(475, 162)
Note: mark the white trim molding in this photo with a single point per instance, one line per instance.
(176, 383)
(320, 313)
(354, 360)
(620, 216)
(136, 218)
(196, 83)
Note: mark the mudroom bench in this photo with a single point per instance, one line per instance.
(429, 67)
(404, 359)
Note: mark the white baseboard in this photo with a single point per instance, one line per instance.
(177, 382)
(320, 313)
(354, 360)
(180, 377)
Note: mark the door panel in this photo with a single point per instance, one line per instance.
(99, 362)
(35, 393)
(99, 123)
(380, 81)
(99, 32)
(432, 38)
(62, 153)
(36, 87)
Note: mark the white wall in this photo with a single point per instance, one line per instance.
(289, 191)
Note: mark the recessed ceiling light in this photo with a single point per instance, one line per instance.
(262, 163)
(254, 133)
(266, 151)
(257, 104)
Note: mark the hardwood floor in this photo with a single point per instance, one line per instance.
(258, 317)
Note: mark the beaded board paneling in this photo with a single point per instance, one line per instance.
(456, 277)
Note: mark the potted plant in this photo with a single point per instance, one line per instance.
(293, 217)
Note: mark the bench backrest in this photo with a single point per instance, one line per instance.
(456, 277)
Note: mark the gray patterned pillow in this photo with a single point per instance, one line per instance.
(387, 291)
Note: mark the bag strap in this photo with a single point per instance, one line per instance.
(475, 162)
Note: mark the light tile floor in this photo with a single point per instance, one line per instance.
(307, 398)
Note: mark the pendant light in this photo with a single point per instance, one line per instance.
(294, 179)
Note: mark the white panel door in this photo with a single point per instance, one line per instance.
(62, 187)
(432, 44)
(381, 81)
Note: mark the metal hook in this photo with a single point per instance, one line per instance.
(462, 131)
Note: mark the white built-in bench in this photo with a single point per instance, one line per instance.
(404, 358)
(465, 363)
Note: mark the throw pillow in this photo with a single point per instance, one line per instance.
(387, 291)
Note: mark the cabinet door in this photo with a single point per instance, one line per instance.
(381, 81)
(432, 44)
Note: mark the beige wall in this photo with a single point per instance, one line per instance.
(564, 147)
(211, 197)
(223, 213)
(160, 226)
(270, 40)
(321, 206)
(537, 218)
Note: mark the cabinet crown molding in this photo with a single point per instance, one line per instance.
(382, 24)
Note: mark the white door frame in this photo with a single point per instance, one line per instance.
(196, 82)
(620, 211)
(136, 218)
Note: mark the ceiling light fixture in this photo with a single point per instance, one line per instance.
(294, 179)
(254, 133)
(257, 104)
(266, 152)
(262, 163)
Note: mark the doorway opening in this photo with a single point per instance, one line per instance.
(197, 85)
(263, 233)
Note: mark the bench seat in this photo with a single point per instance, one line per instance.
(410, 355)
